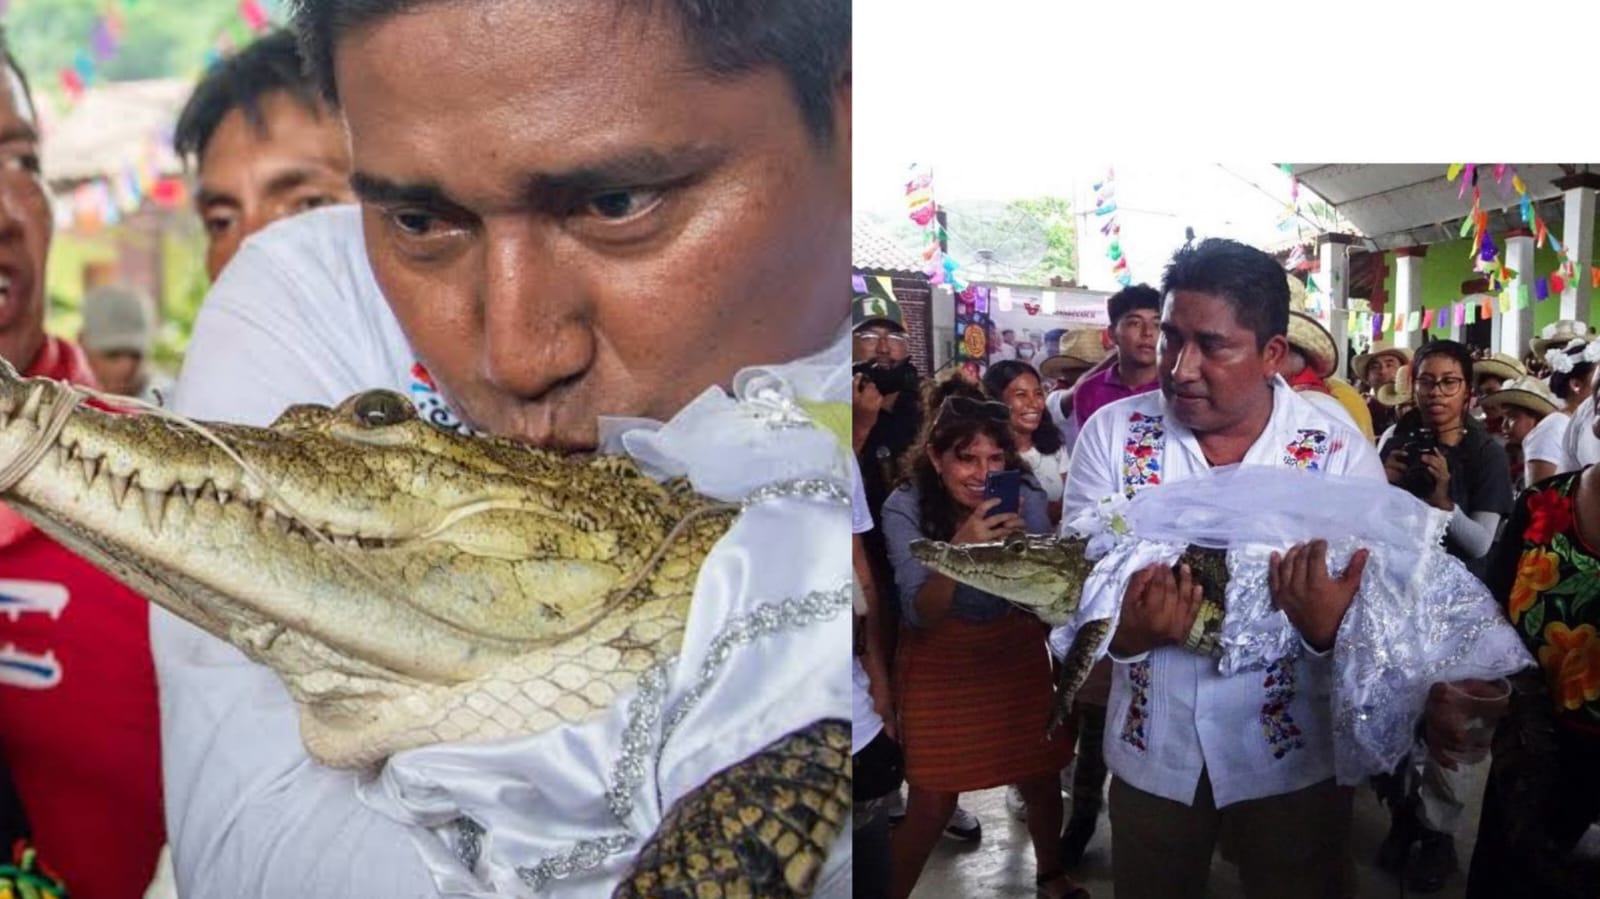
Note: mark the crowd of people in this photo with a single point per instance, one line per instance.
(1216, 369)
(515, 237)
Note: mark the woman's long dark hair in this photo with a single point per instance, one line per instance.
(940, 513)
(1046, 437)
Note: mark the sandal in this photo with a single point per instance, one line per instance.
(1059, 885)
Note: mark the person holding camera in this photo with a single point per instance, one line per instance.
(1444, 457)
(972, 674)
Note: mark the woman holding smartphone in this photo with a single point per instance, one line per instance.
(972, 671)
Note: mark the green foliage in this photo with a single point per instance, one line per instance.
(1054, 214)
(160, 38)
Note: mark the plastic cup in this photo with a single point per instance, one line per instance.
(1477, 705)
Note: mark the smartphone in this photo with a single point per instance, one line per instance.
(1007, 487)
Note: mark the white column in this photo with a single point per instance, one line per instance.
(1577, 240)
(1333, 277)
(1518, 327)
(1407, 288)
(943, 315)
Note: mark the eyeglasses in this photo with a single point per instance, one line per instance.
(966, 407)
(870, 340)
(1449, 386)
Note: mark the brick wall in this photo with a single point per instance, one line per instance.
(916, 300)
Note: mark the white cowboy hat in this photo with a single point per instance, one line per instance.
(1080, 350)
(1365, 359)
(1526, 393)
(1307, 335)
(1501, 365)
(1398, 392)
(1558, 334)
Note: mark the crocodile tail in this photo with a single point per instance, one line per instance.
(760, 828)
(1075, 668)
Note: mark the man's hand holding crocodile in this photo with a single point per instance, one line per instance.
(1158, 609)
(1314, 600)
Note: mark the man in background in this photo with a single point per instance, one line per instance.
(263, 143)
(117, 336)
(77, 687)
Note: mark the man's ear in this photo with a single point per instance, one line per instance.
(1272, 355)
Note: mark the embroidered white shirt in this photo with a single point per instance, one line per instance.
(1171, 714)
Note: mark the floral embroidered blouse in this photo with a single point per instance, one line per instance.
(1548, 581)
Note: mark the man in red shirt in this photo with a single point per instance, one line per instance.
(77, 687)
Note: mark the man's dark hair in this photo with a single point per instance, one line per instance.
(1252, 282)
(1124, 301)
(808, 40)
(243, 81)
(10, 60)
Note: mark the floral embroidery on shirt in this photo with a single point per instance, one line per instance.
(1141, 455)
(1279, 727)
(1133, 726)
(1307, 450)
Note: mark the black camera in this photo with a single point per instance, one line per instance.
(888, 378)
(1418, 480)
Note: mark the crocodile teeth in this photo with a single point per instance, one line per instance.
(91, 467)
(189, 494)
(119, 488)
(223, 496)
(208, 490)
(155, 507)
(63, 455)
(30, 404)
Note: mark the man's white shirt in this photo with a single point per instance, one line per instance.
(297, 317)
(1171, 714)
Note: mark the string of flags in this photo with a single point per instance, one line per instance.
(104, 42)
(1485, 253)
(939, 266)
(1105, 206)
(106, 201)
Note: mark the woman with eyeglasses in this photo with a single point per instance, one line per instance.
(1017, 384)
(1443, 456)
(972, 672)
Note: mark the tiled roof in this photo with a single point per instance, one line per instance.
(871, 250)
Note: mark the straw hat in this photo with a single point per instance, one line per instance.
(1365, 359)
(1501, 365)
(1397, 393)
(1081, 350)
(1307, 335)
(1558, 334)
(1526, 393)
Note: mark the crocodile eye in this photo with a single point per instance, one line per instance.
(1017, 546)
(377, 408)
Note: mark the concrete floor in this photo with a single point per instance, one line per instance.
(1001, 865)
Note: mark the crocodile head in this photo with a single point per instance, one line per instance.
(408, 584)
(1044, 574)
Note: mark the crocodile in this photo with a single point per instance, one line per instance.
(1045, 575)
(411, 585)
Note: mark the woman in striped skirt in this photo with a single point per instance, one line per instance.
(972, 672)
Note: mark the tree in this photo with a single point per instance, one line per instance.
(160, 38)
(1054, 215)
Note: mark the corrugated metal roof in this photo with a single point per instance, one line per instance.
(109, 128)
(1397, 205)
